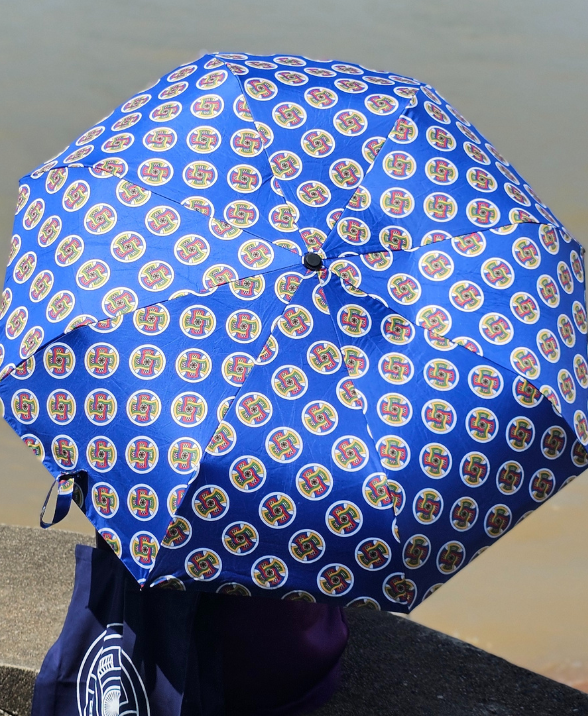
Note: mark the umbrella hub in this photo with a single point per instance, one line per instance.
(312, 261)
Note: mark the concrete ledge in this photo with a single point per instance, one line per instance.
(392, 665)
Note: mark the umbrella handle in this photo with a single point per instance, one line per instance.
(65, 487)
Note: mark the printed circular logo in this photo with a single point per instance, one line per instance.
(144, 548)
(548, 345)
(306, 546)
(435, 460)
(204, 139)
(207, 106)
(381, 104)
(248, 473)
(277, 510)
(464, 514)
(143, 407)
(334, 580)
(35, 445)
(49, 231)
(199, 175)
(317, 143)
(246, 143)
(373, 554)
(289, 382)
(404, 288)
(58, 308)
(128, 247)
(256, 254)
(393, 451)
(314, 481)
(152, 320)
(399, 165)
(203, 565)
(548, 291)
(382, 494)
(497, 520)
(509, 477)
(193, 366)
(441, 171)
(261, 89)
(497, 273)
(346, 173)
(289, 115)
(313, 193)
(296, 322)
(416, 551)
(350, 453)
(474, 469)
(147, 362)
(404, 131)
(162, 139)
(178, 534)
(142, 454)
(354, 320)
(61, 407)
(451, 557)
(481, 424)
(520, 433)
(189, 409)
(243, 326)
(485, 381)
(269, 572)
(101, 360)
(236, 368)
(397, 203)
(197, 322)
(142, 502)
(439, 416)
(240, 538)
(155, 172)
(427, 506)
(321, 97)
(254, 409)
(65, 452)
(496, 328)
(542, 485)
(483, 213)
(184, 456)
(59, 360)
(210, 503)
(344, 518)
(162, 220)
(320, 417)
(284, 444)
(25, 406)
(175, 497)
(105, 499)
(394, 409)
(156, 276)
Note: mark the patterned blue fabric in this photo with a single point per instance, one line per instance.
(233, 421)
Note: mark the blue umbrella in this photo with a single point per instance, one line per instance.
(294, 328)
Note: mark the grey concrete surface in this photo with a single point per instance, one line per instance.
(392, 666)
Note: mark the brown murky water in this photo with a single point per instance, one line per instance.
(519, 71)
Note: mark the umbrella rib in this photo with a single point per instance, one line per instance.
(237, 393)
(292, 198)
(434, 244)
(346, 207)
(148, 305)
(457, 345)
(384, 469)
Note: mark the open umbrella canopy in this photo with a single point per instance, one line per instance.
(294, 328)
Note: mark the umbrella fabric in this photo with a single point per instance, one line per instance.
(295, 328)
